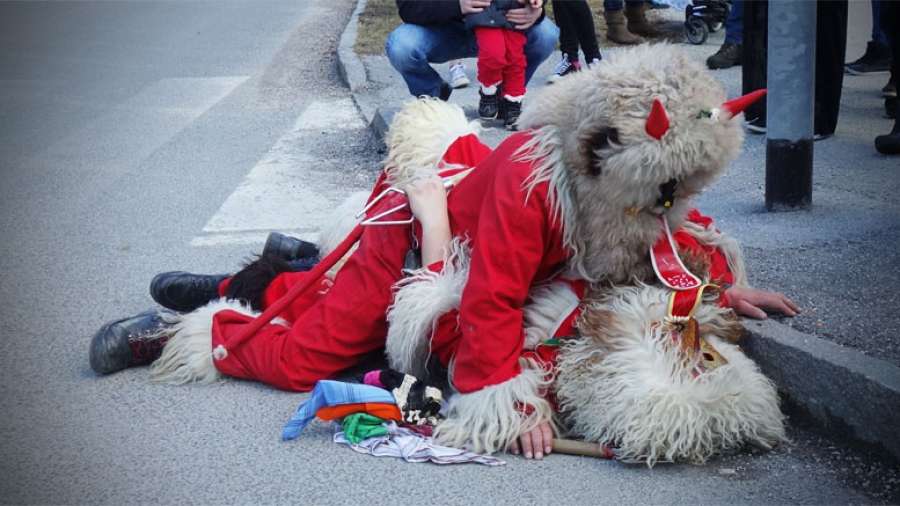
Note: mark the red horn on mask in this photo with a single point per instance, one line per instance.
(658, 121)
(736, 106)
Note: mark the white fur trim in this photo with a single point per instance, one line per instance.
(626, 385)
(547, 308)
(728, 245)
(418, 137)
(188, 356)
(341, 222)
(490, 419)
(489, 90)
(419, 301)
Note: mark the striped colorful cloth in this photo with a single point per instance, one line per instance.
(331, 400)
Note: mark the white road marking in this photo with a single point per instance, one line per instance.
(287, 190)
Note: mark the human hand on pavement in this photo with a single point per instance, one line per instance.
(535, 443)
(525, 16)
(473, 6)
(754, 303)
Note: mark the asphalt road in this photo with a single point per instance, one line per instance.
(141, 137)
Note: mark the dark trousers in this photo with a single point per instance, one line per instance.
(576, 26)
(831, 44)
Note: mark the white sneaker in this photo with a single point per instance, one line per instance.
(593, 63)
(563, 68)
(458, 78)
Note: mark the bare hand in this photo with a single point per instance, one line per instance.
(473, 6)
(428, 200)
(754, 303)
(523, 17)
(535, 443)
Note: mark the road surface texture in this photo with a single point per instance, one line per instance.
(142, 137)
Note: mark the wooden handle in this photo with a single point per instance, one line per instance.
(583, 448)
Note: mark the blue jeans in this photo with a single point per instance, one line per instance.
(617, 5)
(734, 24)
(412, 48)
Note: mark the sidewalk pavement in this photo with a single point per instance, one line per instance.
(837, 363)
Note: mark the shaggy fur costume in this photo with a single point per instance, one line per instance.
(419, 135)
(186, 358)
(592, 146)
(626, 382)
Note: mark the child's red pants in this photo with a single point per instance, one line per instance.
(501, 58)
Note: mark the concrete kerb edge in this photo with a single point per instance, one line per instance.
(843, 391)
(350, 66)
(840, 390)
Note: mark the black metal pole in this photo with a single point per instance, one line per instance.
(790, 104)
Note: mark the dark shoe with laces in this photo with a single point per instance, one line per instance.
(488, 105)
(130, 342)
(184, 292)
(289, 248)
(511, 112)
(877, 58)
(727, 56)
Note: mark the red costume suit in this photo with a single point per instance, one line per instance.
(515, 243)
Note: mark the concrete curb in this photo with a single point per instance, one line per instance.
(350, 67)
(840, 390)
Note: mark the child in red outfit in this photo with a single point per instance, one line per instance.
(501, 61)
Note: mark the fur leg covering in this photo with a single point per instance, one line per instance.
(187, 357)
(625, 382)
(419, 301)
(419, 135)
(490, 419)
(250, 283)
(546, 309)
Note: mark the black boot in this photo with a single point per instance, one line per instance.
(130, 342)
(511, 112)
(184, 292)
(488, 105)
(289, 248)
(889, 144)
(727, 56)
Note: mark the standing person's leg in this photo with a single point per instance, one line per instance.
(889, 144)
(540, 44)
(491, 62)
(877, 57)
(831, 23)
(731, 51)
(412, 48)
(616, 29)
(513, 77)
(583, 21)
(636, 13)
(568, 42)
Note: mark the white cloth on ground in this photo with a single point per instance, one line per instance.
(413, 447)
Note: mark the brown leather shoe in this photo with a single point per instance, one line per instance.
(616, 31)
